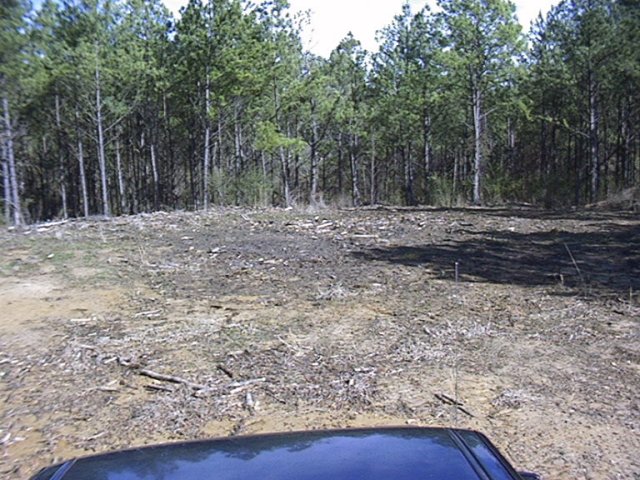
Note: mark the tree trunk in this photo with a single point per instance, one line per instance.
(284, 165)
(239, 150)
(207, 139)
(372, 173)
(606, 159)
(296, 156)
(154, 169)
(81, 169)
(139, 180)
(190, 178)
(63, 185)
(5, 184)
(313, 194)
(408, 175)
(11, 162)
(218, 168)
(171, 177)
(355, 180)
(573, 151)
(511, 145)
(594, 146)
(218, 149)
(628, 160)
(544, 157)
(121, 186)
(340, 165)
(478, 141)
(427, 152)
(43, 206)
(237, 153)
(263, 163)
(101, 152)
(83, 180)
(456, 174)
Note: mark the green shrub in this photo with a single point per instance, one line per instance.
(500, 187)
(251, 188)
(442, 194)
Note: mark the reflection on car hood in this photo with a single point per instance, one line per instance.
(371, 454)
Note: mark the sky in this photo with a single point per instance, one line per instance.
(331, 20)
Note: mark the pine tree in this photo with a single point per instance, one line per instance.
(485, 40)
(12, 45)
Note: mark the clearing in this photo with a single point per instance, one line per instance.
(272, 320)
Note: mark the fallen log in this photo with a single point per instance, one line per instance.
(163, 377)
(169, 378)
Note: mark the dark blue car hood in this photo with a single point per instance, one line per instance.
(371, 454)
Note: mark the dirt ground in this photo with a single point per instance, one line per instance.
(523, 324)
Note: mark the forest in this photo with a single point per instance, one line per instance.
(115, 107)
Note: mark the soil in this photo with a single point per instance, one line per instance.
(520, 323)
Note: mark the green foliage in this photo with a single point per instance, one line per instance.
(269, 139)
(441, 191)
(221, 184)
(228, 86)
(12, 37)
(251, 188)
(501, 187)
(444, 193)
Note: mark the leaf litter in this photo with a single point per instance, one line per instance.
(175, 326)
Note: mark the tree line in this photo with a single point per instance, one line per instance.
(115, 107)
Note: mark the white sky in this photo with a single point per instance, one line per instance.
(331, 20)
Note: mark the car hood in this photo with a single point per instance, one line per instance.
(371, 454)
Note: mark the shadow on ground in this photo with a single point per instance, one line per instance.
(606, 259)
